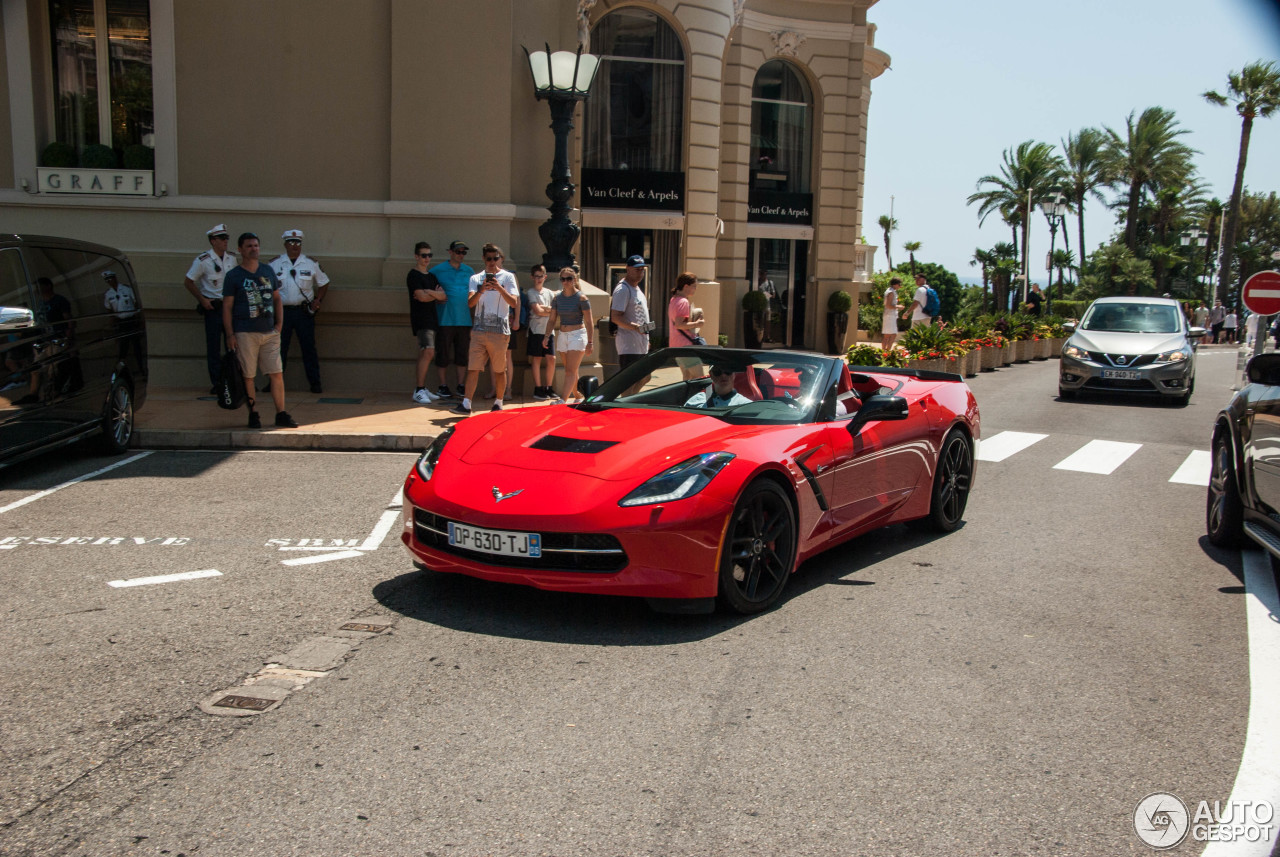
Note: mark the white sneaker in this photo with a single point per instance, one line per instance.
(424, 397)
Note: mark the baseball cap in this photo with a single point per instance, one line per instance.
(458, 245)
(292, 235)
(637, 261)
(219, 231)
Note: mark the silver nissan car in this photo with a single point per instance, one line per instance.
(1131, 345)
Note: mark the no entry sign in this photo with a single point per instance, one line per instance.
(1261, 293)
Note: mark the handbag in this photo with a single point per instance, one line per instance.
(693, 340)
(231, 391)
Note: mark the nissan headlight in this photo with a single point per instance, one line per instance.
(680, 481)
(427, 461)
(1075, 352)
(1175, 356)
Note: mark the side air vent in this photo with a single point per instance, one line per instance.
(553, 443)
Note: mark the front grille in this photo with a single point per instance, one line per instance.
(1130, 360)
(589, 552)
(1140, 385)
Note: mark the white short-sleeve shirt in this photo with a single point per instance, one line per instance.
(208, 271)
(299, 279)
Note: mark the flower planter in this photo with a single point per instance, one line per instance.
(1007, 353)
(1055, 347)
(953, 365)
(990, 358)
(927, 365)
(1044, 348)
(1024, 350)
(973, 362)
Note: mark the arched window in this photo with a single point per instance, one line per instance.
(781, 129)
(635, 117)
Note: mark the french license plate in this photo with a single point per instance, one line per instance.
(1121, 374)
(499, 542)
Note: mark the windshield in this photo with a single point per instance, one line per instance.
(736, 385)
(1132, 318)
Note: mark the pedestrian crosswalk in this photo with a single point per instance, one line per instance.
(1101, 457)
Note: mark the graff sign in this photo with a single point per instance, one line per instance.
(114, 182)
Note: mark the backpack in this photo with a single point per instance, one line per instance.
(932, 303)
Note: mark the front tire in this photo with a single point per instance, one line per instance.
(760, 549)
(117, 419)
(1224, 513)
(951, 483)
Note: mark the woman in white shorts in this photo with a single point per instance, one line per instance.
(571, 313)
(889, 321)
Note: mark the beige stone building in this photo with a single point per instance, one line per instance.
(723, 137)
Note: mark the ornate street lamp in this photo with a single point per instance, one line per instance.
(1055, 211)
(1199, 238)
(563, 79)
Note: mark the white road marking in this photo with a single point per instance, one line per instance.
(1258, 778)
(322, 557)
(165, 578)
(1098, 456)
(1195, 469)
(384, 525)
(1006, 444)
(45, 493)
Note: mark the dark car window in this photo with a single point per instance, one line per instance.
(14, 291)
(1133, 318)
(76, 279)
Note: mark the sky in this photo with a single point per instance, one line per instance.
(969, 80)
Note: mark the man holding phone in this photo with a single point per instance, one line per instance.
(492, 293)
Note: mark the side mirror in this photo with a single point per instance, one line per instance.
(587, 385)
(1196, 332)
(16, 318)
(1265, 369)
(1069, 326)
(881, 408)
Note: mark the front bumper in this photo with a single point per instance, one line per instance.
(1172, 380)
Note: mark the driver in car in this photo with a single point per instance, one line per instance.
(722, 394)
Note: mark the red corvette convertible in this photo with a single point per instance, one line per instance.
(692, 475)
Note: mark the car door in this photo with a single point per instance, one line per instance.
(1263, 446)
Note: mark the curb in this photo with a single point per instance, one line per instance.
(278, 439)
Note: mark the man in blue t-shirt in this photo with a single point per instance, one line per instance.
(453, 334)
(252, 315)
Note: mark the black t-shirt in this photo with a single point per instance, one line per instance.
(422, 316)
(1035, 299)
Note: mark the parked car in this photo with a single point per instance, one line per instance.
(73, 339)
(1244, 477)
(1131, 346)
(693, 474)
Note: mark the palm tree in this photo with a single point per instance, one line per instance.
(1063, 260)
(1255, 91)
(1082, 174)
(887, 225)
(1134, 274)
(911, 247)
(1026, 175)
(984, 260)
(1002, 272)
(1148, 156)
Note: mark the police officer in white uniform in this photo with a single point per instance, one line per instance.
(204, 281)
(303, 285)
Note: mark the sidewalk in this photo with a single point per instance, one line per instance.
(189, 418)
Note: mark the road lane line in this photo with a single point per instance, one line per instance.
(165, 578)
(1005, 444)
(45, 493)
(1258, 778)
(1098, 456)
(384, 525)
(324, 557)
(1195, 469)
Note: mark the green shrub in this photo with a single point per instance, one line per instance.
(870, 318)
(139, 157)
(864, 355)
(58, 155)
(98, 157)
(755, 301)
(839, 301)
(928, 341)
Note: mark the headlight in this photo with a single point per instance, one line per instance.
(427, 461)
(1175, 356)
(1076, 352)
(683, 480)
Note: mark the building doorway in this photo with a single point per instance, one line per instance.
(779, 268)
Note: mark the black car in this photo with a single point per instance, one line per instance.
(73, 340)
(1244, 480)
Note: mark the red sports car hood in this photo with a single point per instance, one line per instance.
(611, 444)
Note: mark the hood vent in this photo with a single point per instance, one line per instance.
(553, 443)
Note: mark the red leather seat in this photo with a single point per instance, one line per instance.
(745, 383)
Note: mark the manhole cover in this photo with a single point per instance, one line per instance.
(364, 626)
(245, 703)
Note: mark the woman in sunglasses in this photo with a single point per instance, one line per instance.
(572, 312)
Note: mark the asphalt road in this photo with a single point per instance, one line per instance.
(1015, 687)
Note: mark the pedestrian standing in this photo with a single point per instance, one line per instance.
(683, 322)
(919, 301)
(1034, 300)
(889, 318)
(629, 310)
(252, 315)
(1229, 324)
(1217, 316)
(541, 353)
(571, 311)
(425, 295)
(453, 334)
(303, 286)
(493, 292)
(204, 281)
(1200, 318)
(1251, 328)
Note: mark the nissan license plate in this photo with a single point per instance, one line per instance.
(499, 542)
(1121, 374)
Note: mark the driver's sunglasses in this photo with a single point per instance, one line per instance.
(721, 373)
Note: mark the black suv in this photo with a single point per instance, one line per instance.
(74, 342)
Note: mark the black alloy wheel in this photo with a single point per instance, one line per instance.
(760, 549)
(117, 418)
(1223, 512)
(951, 483)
